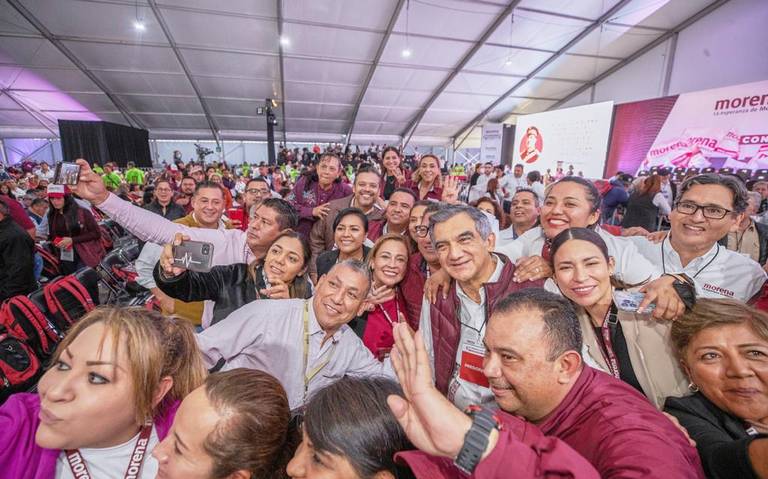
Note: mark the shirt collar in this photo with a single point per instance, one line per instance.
(492, 279)
(672, 254)
(314, 326)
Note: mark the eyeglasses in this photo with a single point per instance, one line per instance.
(421, 230)
(709, 212)
(256, 191)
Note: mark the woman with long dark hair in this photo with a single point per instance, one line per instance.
(282, 274)
(73, 231)
(394, 175)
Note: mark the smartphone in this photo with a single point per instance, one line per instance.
(194, 256)
(236, 214)
(66, 174)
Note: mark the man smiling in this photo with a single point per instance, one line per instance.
(305, 344)
(453, 328)
(709, 206)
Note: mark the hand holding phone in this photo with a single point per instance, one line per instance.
(66, 174)
(193, 255)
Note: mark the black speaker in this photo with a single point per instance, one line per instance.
(103, 142)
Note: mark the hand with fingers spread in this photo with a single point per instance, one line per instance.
(90, 187)
(438, 280)
(532, 268)
(321, 211)
(450, 190)
(660, 292)
(166, 258)
(430, 421)
(278, 290)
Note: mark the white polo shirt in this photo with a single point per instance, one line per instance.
(720, 273)
(631, 267)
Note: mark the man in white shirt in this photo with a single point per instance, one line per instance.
(464, 244)
(710, 206)
(524, 214)
(534, 182)
(305, 344)
(45, 172)
(510, 183)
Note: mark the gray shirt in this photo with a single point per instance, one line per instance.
(269, 335)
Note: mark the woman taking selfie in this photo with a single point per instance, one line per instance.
(281, 275)
(73, 231)
(394, 176)
(388, 260)
(349, 231)
(350, 433)
(723, 347)
(108, 398)
(632, 347)
(235, 426)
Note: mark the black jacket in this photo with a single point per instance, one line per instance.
(762, 237)
(326, 260)
(721, 439)
(17, 251)
(172, 211)
(229, 286)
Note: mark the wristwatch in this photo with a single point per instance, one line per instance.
(476, 440)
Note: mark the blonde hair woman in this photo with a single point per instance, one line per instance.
(108, 397)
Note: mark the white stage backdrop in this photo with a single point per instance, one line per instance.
(561, 138)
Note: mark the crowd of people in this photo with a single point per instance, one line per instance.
(368, 315)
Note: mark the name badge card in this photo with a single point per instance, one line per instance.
(471, 367)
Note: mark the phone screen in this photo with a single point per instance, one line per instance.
(66, 174)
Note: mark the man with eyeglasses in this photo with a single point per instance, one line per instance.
(256, 190)
(708, 207)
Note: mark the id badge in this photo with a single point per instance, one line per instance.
(471, 367)
(67, 254)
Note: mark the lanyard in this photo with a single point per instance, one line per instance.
(386, 314)
(610, 356)
(308, 375)
(664, 266)
(80, 469)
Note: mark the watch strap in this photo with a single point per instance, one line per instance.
(476, 439)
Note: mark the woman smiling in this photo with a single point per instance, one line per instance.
(281, 275)
(631, 346)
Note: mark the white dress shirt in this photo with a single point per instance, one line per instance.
(473, 324)
(269, 335)
(720, 273)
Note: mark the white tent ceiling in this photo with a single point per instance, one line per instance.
(204, 66)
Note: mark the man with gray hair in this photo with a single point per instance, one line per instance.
(708, 207)
(305, 344)
(453, 327)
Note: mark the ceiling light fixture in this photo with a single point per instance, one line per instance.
(138, 25)
(285, 41)
(406, 53)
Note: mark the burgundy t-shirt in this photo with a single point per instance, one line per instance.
(18, 213)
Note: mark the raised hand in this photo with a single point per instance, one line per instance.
(278, 290)
(91, 186)
(430, 421)
(451, 187)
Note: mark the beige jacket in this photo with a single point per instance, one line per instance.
(650, 352)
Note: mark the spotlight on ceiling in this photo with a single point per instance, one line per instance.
(139, 25)
(406, 53)
(508, 62)
(285, 41)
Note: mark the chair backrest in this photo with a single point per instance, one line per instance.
(89, 278)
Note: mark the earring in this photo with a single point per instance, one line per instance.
(693, 387)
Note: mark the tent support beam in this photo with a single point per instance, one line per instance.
(356, 109)
(280, 21)
(129, 118)
(176, 51)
